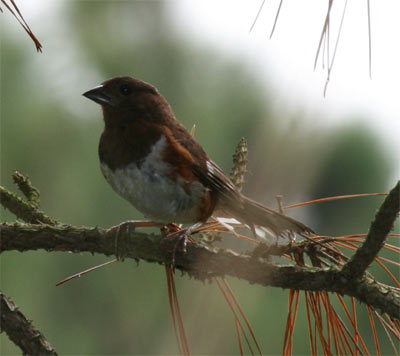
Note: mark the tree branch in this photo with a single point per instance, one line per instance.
(24, 210)
(199, 262)
(21, 331)
(25, 186)
(378, 232)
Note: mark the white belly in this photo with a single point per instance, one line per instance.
(152, 192)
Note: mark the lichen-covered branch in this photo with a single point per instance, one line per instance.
(378, 232)
(200, 262)
(25, 186)
(24, 210)
(21, 331)
(203, 262)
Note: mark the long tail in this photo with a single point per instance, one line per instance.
(256, 214)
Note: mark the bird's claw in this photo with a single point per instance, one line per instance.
(122, 231)
(179, 236)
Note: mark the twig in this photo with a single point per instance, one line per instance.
(378, 232)
(24, 210)
(21, 331)
(26, 187)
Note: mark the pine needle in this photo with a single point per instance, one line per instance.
(18, 15)
(237, 319)
(324, 200)
(386, 326)
(80, 274)
(276, 19)
(371, 319)
(246, 320)
(176, 314)
(258, 14)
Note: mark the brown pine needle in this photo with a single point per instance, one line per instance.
(182, 333)
(345, 342)
(323, 200)
(246, 320)
(346, 243)
(353, 247)
(23, 23)
(171, 307)
(317, 322)
(310, 330)
(353, 322)
(296, 309)
(80, 274)
(392, 248)
(390, 274)
(315, 337)
(330, 248)
(328, 322)
(342, 328)
(237, 319)
(385, 326)
(285, 341)
(316, 297)
(395, 324)
(345, 339)
(239, 336)
(378, 260)
(388, 261)
(176, 312)
(291, 322)
(371, 319)
(331, 320)
(345, 237)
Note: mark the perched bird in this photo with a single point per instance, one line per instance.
(152, 161)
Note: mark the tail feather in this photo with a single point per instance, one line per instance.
(256, 214)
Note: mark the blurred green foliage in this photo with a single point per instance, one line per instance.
(354, 165)
(52, 136)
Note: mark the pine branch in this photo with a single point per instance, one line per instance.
(24, 210)
(200, 262)
(204, 262)
(378, 232)
(21, 331)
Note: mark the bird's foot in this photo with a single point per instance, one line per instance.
(122, 233)
(180, 237)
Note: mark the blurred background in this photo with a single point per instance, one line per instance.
(231, 84)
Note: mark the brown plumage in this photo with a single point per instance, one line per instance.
(151, 160)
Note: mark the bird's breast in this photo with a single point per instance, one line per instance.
(155, 190)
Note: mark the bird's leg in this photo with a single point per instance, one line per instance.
(181, 238)
(123, 230)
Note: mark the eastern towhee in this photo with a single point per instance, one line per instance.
(152, 161)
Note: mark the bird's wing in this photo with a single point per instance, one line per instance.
(214, 178)
(209, 174)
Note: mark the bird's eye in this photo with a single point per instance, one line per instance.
(125, 89)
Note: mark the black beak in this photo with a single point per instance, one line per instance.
(98, 95)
